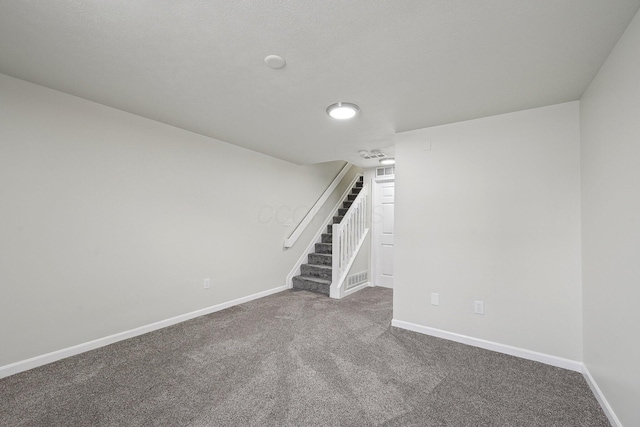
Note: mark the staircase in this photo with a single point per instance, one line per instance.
(315, 276)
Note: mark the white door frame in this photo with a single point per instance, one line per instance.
(375, 181)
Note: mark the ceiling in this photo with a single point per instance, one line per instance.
(408, 64)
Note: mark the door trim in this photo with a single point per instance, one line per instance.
(375, 181)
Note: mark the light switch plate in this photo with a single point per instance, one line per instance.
(478, 307)
(435, 299)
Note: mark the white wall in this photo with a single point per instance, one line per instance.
(361, 262)
(109, 221)
(491, 211)
(610, 131)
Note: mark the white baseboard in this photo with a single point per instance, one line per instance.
(604, 404)
(44, 359)
(490, 345)
(519, 352)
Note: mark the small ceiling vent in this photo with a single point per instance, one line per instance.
(389, 170)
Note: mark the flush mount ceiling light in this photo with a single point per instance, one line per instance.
(388, 161)
(342, 110)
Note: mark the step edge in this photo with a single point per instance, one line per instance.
(313, 279)
(327, 267)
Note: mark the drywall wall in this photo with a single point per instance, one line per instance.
(361, 262)
(610, 147)
(489, 210)
(110, 221)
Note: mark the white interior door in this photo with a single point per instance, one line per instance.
(382, 225)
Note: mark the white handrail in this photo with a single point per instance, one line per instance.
(348, 237)
(291, 240)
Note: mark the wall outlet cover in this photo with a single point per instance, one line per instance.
(435, 299)
(478, 307)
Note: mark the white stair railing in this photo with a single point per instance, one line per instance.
(348, 237)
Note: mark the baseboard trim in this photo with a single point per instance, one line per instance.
(604, 404)
(490, 345)
(34, 362)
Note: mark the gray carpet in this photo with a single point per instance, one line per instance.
(296, 359)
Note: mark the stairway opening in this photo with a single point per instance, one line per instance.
(316, 274)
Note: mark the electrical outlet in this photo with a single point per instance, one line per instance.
(478, 307)
(207, 283)
(435, 299)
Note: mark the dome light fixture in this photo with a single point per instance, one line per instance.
(342, 110)
(388, 161)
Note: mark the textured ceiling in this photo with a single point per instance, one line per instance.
(409, 64)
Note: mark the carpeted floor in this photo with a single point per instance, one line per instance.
(296, 359)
